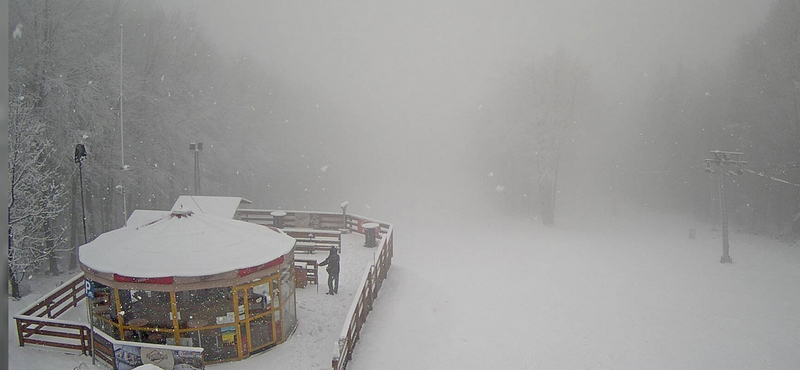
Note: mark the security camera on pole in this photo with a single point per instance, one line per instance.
(721, 159)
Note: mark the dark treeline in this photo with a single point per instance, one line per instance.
(751, 104)
(652, 152)
(177, 88)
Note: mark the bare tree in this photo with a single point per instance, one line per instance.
(35, 199)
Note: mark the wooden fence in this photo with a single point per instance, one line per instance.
(295, 219)
(39, 324)
(371, 283)
(304, 219)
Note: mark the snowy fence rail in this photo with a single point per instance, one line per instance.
(371, 283)
(39, 324)
(316, 220)
(297, 219)
(64, 297)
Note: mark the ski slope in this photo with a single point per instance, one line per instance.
(633, 293)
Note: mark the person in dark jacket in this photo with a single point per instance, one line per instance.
(333, 271)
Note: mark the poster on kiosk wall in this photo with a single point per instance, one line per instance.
(129, 357)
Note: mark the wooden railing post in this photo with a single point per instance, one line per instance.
(83, 341)
(19, 333)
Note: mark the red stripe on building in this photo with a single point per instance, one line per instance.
(167, 280)
(250, 270)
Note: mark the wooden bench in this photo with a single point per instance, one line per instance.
(328, 236)
(319, 240)
(311, 247)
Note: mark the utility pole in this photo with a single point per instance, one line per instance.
(121, 187)
(721, 159)
(196, 148)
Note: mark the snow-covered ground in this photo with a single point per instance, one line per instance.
(631, 293)
(634, 293)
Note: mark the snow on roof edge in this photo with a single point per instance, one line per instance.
(214, 205)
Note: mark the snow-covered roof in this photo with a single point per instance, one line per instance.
(182, 244)
(219, 206)
(141, 217)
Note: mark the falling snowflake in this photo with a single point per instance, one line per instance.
(324, 168)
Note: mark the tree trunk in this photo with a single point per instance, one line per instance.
(14, 285)
(50, 247)
(796, 223)
(91, 227)
(11, 277)
(74, 225)
(547, 200)
(106, 208)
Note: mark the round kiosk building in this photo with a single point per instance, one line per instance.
(193, 279)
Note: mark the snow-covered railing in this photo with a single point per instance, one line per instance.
(38, 322)
(64, 297)
(371, 282)
(316, 220)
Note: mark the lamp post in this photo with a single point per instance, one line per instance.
(721, 159)
(196, 148)
(344, 228)
(80, 155)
